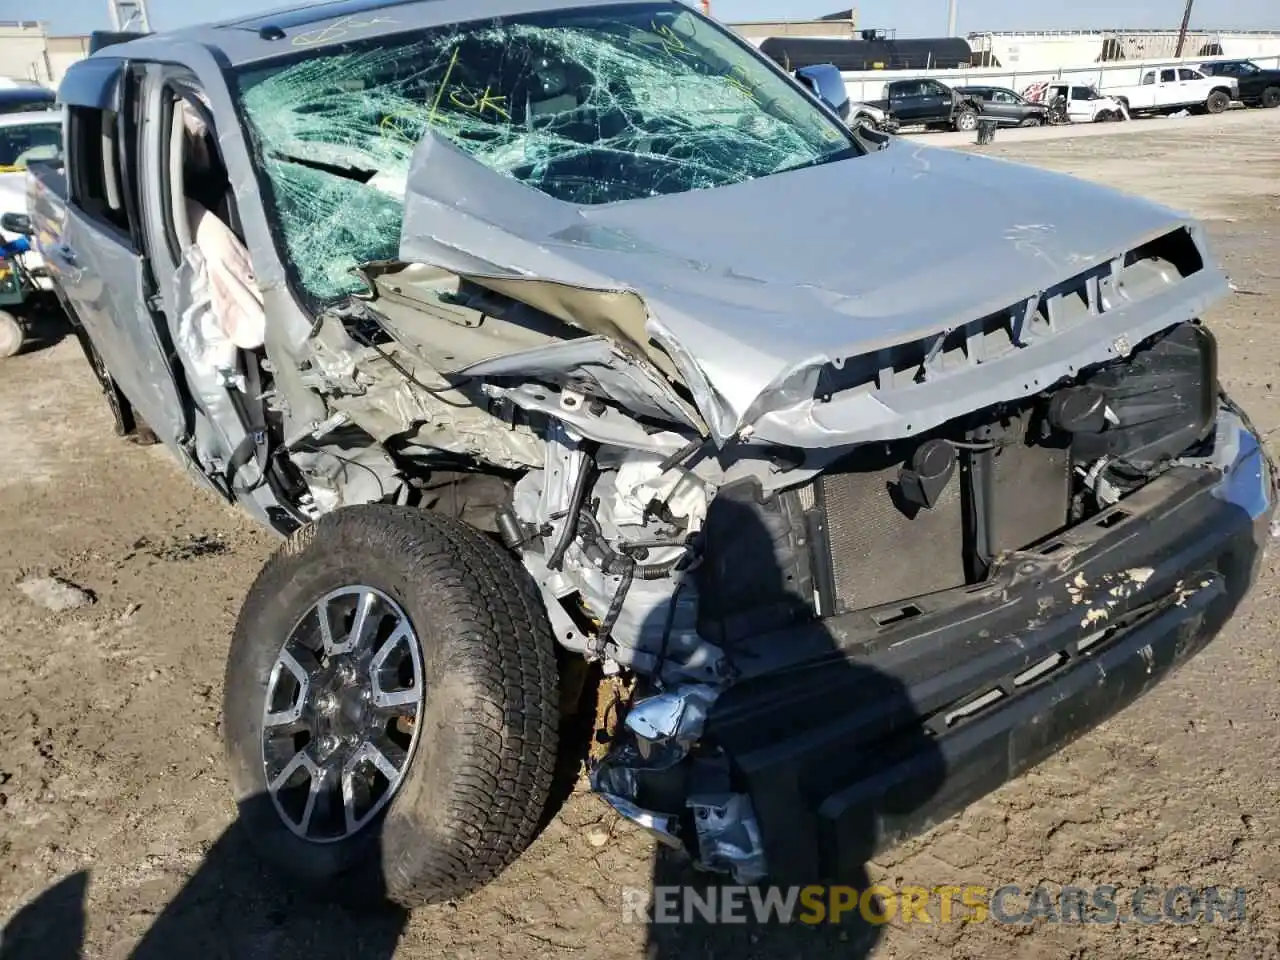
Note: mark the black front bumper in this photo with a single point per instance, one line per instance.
(850, 736)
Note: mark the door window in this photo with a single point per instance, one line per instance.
(97, 188)
(1003, 96)
(1185, 74)
(1149, 77)
(1168, 76)
(932, 88)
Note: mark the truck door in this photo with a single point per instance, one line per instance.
(906, 100)
(1005, 106)
(1080, 104)
(935, 102)
(98, 258)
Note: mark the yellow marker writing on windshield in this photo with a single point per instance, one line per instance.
(335, 31)
(671, 41)
(466, 100)
(435, 104)
(738, 79)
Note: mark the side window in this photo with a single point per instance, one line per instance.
(96, 185)
(906, 88)
(932, 88)
(1079, 93)
(1168, 76)
(1149, 77)
(1002, 96)
(1184, 74)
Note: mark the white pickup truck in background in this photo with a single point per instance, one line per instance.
(1170, 89)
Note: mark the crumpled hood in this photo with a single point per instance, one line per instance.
(746, 284)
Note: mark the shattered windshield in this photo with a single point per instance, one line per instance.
(589, 106)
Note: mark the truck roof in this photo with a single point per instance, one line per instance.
(30, 118)
(315, 26)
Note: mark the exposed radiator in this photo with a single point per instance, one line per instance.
(877, 549)
(881, 552)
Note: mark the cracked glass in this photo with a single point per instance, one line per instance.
(588, 106)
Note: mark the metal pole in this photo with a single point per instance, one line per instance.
(951, 18)
(1182, 32)
(129, 16)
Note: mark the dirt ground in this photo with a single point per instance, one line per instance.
(114, 807)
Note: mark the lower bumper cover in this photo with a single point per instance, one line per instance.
(878, 735)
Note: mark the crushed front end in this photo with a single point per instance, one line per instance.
(928, 617)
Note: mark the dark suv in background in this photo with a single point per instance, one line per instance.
(1258, 86)
(1006, 107)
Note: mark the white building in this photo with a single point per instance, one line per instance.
(27, 52)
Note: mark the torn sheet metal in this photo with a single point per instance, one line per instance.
(759, 282)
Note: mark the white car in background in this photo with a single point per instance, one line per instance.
(24, 137)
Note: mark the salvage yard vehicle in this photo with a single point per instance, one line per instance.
(1172, 89)
(1257, 87)
(928, 102)
(1006, 107)
(575, 348)
(17, 286)
(25, 98)
(25, 137)
(1080, 102)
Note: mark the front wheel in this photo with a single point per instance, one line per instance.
(391, 707)
(966, 120)
(1271, 97)
(1031, 122)
(1217, 102)
(11, 335)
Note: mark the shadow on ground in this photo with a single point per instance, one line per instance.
(232, 907)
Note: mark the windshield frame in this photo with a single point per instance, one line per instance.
(844, 144)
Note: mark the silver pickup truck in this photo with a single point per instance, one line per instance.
(600, 354)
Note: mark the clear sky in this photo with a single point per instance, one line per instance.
(909, 17)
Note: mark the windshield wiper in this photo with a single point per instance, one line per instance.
(845, 153)
(358, 174)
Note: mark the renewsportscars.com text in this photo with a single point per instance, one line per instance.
(1008, 904)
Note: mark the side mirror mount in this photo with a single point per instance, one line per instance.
(18, 223)
(825, 83)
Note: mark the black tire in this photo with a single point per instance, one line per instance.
(123, 420)
(1271, 97)
(966, 120)
(476, 785)
(1217, 102)
(1031, 122)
